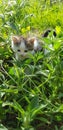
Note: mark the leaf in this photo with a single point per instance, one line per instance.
(2, 16)
(47, 40)
(61, 128)
(15, 105)
(56, 128)
(57, 45)
(12, 71)
(7, 104)
(60, 109)
(34, 102)
(18, 107)
(44, 73)
(1, 39)
(35, 111)
(60, 95)
(3, 127)
(44, 120)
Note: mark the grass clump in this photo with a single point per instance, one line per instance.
(31, 91)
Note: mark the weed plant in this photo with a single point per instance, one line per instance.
(31, 90)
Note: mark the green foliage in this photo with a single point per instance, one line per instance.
(31, 90)
(2, 127)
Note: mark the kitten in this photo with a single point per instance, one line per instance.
(46, 33)
(23, 46)
(49, 47)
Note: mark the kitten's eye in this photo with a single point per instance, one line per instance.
(18, 50)
(25, 50)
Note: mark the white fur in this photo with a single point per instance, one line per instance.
(20, 47)
(35, 44)
(13, 46)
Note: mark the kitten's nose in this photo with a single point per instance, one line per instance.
(22, 54)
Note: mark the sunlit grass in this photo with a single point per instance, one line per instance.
(31, 90)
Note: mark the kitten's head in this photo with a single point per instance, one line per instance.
(22, 46)
(18, 44)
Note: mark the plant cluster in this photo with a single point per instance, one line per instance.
(31, 90)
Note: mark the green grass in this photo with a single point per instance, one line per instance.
(31, 91)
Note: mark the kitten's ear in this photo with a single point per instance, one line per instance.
(14, 39)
